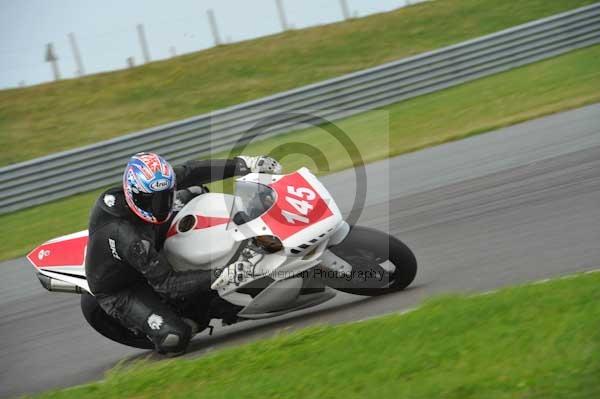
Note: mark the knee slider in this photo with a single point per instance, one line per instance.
(173, 340)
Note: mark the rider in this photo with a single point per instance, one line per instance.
(125, 269)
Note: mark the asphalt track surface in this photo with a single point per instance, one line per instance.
(511, 206)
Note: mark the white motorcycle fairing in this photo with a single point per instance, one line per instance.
(198, 237)
(302, 215)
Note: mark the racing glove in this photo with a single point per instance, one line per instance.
(261, 164)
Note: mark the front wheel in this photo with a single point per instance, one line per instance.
(380, 263)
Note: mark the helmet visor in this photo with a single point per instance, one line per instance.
(158, 204)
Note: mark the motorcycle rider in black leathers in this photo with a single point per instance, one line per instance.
(129, 277)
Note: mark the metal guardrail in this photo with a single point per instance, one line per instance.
(59, 175)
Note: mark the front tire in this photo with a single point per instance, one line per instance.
(370, 253)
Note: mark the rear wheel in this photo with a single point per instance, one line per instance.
(110, 327)
(380, 263)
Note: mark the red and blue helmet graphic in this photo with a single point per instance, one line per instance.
(149, 186)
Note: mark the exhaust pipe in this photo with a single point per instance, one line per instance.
(54, 285)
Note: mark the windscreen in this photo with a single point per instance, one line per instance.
(251, 201)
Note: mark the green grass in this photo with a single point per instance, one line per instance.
(569, 81)
(51, 117)
(533, 341)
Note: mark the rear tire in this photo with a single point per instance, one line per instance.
(366, 249)
(110, 327)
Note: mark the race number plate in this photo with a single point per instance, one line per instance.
(298, 206)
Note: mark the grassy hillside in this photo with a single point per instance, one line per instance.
(569, 81)
(52, 117)
(534, 341)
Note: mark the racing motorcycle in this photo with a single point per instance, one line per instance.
(277, 245)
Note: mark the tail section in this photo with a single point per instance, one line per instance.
(60, 263)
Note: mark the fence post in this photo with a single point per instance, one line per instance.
(143, 43)
(53, 60)
(345, 10)
(212, 21)
(76, 54)
(281, 12)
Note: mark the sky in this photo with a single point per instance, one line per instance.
(106, 33)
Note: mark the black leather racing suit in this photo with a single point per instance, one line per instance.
(126, 271)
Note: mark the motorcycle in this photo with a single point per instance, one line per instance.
(277, 245)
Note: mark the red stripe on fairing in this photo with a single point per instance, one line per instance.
(202, 222)
(172, 230)
(70, 252)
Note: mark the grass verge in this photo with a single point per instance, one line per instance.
(534, 341)
(561, 83)
(47, 118)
